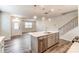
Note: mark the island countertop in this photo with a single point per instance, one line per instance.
(43, 33)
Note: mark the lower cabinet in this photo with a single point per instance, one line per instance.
(42, 44)
(53, 39)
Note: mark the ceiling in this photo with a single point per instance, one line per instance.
(38, 10)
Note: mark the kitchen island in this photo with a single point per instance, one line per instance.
(41, 41)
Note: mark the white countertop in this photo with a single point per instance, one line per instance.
(2, 38)
(43, 33)
(74, 48)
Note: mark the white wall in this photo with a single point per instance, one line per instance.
(45, 25)
(78, 15)
(55, 23)
(0, 23)
(5, 25)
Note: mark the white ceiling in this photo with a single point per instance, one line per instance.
(29, 10)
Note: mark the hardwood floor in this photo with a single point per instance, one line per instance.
(61, 47)
(22, 44)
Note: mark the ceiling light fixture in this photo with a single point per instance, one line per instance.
(52, 10)
(16, 20)
(49, 19)
(35, 17)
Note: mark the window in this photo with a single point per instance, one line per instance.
(28, 24)
(16, 25)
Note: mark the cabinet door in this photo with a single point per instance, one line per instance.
(42, 44)
(49, 40)
(45, 43)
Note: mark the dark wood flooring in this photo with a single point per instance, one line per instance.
(22, 44)
(19, 44)
(61, 47)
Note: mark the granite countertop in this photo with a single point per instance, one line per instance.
(2, 38)
(43, 33)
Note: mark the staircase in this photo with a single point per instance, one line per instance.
(70, 29)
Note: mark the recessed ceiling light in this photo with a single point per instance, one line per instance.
(52, 10)
(16, 20)
(49, 19)
(35, 17)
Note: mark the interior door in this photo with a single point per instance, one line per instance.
(16, 27)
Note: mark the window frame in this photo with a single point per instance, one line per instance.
(28, 24)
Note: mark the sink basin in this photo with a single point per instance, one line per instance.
(47, 32)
